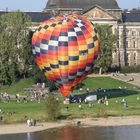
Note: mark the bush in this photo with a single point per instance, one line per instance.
(114, 68)
(53, 108)
(130, 69)
(102, 113)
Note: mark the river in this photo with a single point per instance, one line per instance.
(81, 133)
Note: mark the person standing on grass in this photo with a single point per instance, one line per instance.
(124, 103)
(80, 107)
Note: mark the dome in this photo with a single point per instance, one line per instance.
(84, 4)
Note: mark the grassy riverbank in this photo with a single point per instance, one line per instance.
(22, 111)
(91, 83)
(19, 112)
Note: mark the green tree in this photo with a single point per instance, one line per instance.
(39, 77)
(53, 108)
(107, 46)
(13, 37)
(27, 56)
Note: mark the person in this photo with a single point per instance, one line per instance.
(78, 123)
(124, 103)
(0, 111)
(67, 108)
(43, 85)
(1, 115)
(1, 118)
(81, 89)
(87, 90)
(29, 122)
(106, 103)
(34, 122)
(66, 100)
(80, 100)
(80, 107)
(90, 104)
(116, 101)
(24, 100)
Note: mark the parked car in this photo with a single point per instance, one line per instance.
(91, 98)
(77, 98)
(83, 98)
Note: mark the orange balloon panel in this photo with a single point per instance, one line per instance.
(65, 48)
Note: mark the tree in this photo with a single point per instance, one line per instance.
(107, 46)
(53, 108)
(13, 37)
(27, 57)
(39, 77)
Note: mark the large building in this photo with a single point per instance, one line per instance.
(129, 38)
(126, 24)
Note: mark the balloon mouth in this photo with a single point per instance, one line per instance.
(65, 90)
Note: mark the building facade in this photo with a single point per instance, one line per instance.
(129, 38)
(126, 24)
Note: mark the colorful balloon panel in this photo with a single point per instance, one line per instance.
(65, 48)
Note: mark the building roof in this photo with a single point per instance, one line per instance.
(131, 16)
(38, 16)
(106, 4)
(35, 16)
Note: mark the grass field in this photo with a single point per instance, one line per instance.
(22, 111)
(113, 109)
(105, 82)
(91, 83)
(17, 87)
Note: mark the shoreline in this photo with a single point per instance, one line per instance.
(85, 122)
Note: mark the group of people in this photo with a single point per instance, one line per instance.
(5, 96)
(31, 122)
(103, 101)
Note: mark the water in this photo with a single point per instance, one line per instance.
(81, 133)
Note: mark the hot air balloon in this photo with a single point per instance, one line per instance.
(65, 48)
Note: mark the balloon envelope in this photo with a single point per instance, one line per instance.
(65, 48)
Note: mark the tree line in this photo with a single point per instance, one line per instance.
(16, 59)
(15, 53)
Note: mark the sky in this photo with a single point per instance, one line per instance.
(39, 5)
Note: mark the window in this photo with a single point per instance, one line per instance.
(127, 32)
(127, 56)
(127, 59)
(133, 33)
(126, 44)
(134, 56)
(134, 44)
